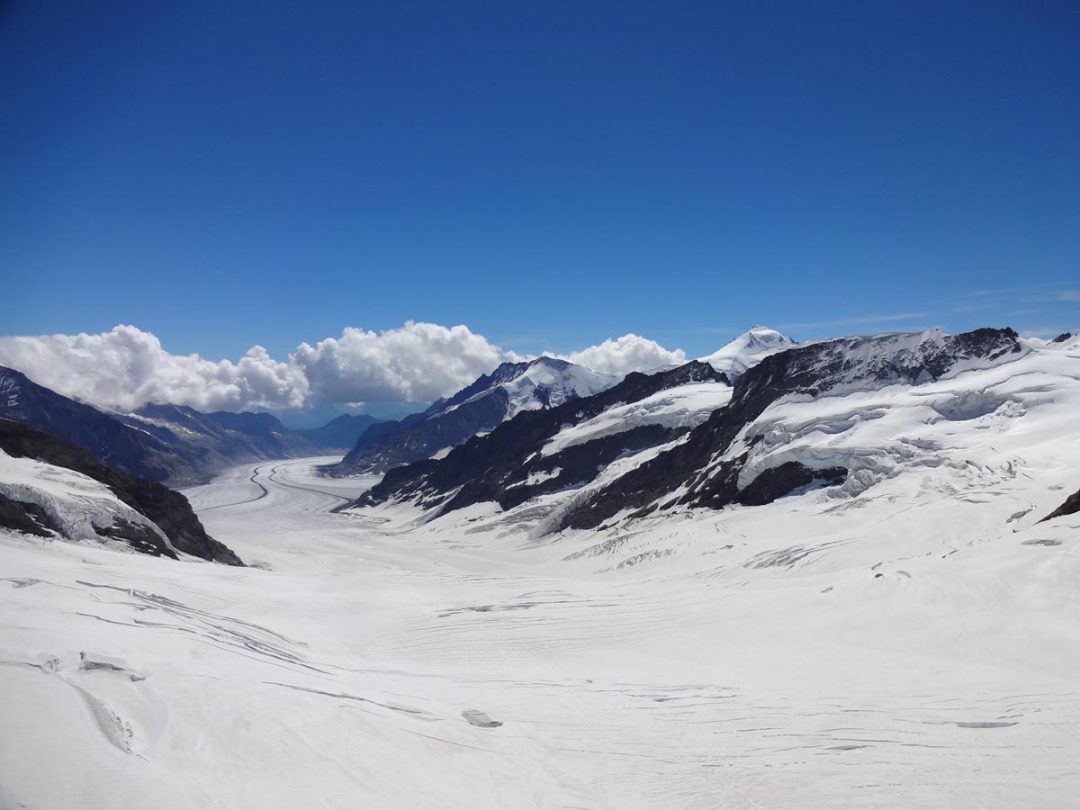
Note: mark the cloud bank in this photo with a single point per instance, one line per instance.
(127, 367)
(620, 356)
(419, 362)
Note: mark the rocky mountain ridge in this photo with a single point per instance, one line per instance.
(714, 463)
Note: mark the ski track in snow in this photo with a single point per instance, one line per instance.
(790, 656)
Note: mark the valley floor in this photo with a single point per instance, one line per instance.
(909, 648)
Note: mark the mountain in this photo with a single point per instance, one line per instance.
(114, 443)
(167, 443)
(724, 461)
(748, 350)
(207, 442)
(509, 390)
(780, 430)
(341, 433)
(54, 489)
(540, 452)
(654, 421)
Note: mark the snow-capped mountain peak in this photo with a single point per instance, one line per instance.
(747, 350)
(531, 385)
(540, 383)
(548, 382)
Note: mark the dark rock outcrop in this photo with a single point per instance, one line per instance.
(168, 510)
(1070, 507)
(25, 517)
(139, 536)
(778, 482)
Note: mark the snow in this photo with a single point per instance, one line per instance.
(75, 502)
(878, 433)
(559, 380)
(912, 644)
(747, 350)
(562, 382)
(538, 478)
(682, 406)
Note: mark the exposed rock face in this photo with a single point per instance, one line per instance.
(1070, 507)
(166, 509)
(26, 517)
(785, 479)
(478, 408)
(139, 536)
(507, 465)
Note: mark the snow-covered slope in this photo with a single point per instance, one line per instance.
(478, 408)
(908, 636)
(545, 382)
(682, 406)
(706, 469)
(747, 350)
(913, 643)
(54, 490)
(73, 506)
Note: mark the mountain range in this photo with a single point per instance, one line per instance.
(838, 415)
(540, 384)
(511, 389)
(172, 444)
(561, 447)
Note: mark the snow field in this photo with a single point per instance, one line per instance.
(910, 642)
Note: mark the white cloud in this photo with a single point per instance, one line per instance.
(417, 363)
(620, 356)
(126, 368)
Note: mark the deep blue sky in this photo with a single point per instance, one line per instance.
(549, 174)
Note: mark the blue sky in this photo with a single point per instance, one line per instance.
(550, 174)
